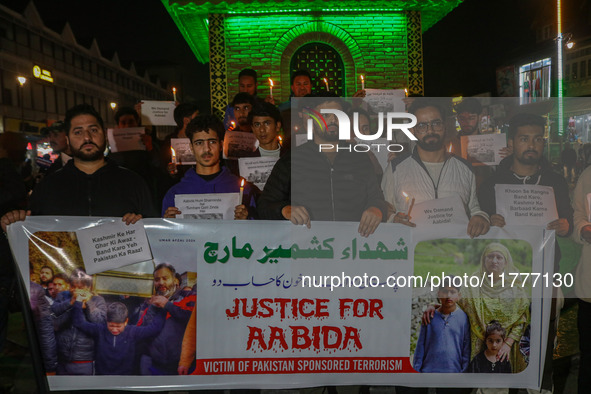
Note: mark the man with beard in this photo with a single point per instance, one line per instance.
(242, 104)
(329, 184)
(430, 172)
(528, 166)
(88, 185)
(45, 277)
(59, 143)
(161, 355)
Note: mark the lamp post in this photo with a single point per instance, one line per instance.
(22, 80)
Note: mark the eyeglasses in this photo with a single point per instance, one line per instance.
(258, 125)
(436, 125)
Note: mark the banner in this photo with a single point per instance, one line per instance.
(304, 307)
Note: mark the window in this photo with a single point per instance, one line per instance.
(583, 69)
(322, 61)
(534, 81)
(575, 69)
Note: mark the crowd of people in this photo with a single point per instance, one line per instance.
(306, 184)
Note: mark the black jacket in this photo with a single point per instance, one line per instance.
(110, 191)
(544, 177)
(340, 191)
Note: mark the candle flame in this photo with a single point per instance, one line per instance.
(173, 152)
(233, 123)
(361, 77)
(270, 82)
(325, 81)
(280, 139)
(173, 89)
(242, 183)
(405, 195)
(450, 148)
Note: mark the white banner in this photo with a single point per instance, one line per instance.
(283, 306)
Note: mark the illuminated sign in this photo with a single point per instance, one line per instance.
(40, 73)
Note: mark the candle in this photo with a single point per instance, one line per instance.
(450, 148)
(241, 191)
(172, 168)
(280, 140)
(405, 92)
(412, 204)
(174, 93)
(270, 87)
(406, 200)
(232, 125)
(326, 83)
(362, 82)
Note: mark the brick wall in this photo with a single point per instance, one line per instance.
(371, 44)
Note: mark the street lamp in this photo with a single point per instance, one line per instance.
(22, 80)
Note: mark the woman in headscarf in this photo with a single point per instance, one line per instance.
(507, 304)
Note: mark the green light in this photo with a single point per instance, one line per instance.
(270, 11)
(362, 10)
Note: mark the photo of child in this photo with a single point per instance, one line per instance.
(488, 361)
(444, 345)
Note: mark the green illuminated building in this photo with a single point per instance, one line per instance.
(337, 40)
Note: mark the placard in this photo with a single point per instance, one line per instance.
(239, 144)
(122, 140)
(113, 245)
(182, 149)
(526, 204)
(158, 113)
(483, 150)
(441, 211)
(218, 206)
(385, 100)
(256, 170)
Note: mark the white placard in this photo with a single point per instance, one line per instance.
(122, 140)
(256, 170)
(239, 144)
(483, 150)
(113, 245)
(158, 113)
(218, 206)
(382, 100)
(526, 204)
(441, 211)
(182, 148)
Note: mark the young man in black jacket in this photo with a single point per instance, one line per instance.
(528, 166)
(309, 184)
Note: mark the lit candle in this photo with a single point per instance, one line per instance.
(270, 87)
(174, 93)
(172, 168)
(241, 191)
(412, 204)
(406, 200)
(232, 125)
(362, 82)
(326, 83)
(280, 140)
(450, 148)
(405, 92)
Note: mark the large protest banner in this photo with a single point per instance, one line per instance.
(311, 307)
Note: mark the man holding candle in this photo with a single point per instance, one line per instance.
(430, 172)
(329, 185)
(206, 134)
(183, 113)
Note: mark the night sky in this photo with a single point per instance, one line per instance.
(461, 52)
